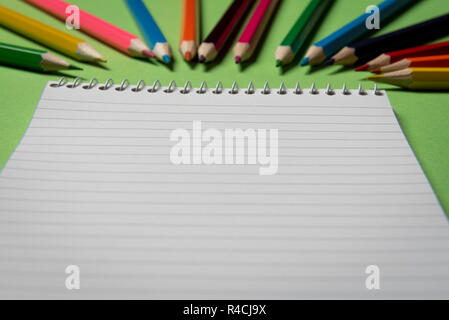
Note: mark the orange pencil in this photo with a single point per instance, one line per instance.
(418, 62)
(188, 43)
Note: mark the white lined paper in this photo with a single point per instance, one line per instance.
(91, 184)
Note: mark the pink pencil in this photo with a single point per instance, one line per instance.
(250, 37)
(104, 31)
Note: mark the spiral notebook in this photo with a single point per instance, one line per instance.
(348, 212)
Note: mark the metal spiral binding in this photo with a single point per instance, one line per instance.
(140, 86)
(93, 82)
(266, 89)
(109, 83)
(203, 88)
(187, 88)
(234, 88)
(251, 89)
(282, 89)
(219, 89)
(123, 86)
(75, 83)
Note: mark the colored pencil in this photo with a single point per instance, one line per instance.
(421, 62)
(301, 31)
(214, 42)
(253, 31)
(416, 78)
(188, 44)
(350, 32)
(395, 56)
(416, 34)
(38, 60)
(156, 40)
(97, 28)
(49, 36)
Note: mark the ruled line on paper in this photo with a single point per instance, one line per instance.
(212, 113)
(280, 204)
(215, 173)
(208, 121)
(207, 214)
(167, 163)
(169, 129)
(165, 104)
(220, 182)
(355, 194)
(164, 155)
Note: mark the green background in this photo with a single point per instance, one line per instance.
(424, 117)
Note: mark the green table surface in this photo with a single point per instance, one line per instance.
(424, 117)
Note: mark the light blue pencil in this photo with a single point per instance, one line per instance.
(350, 32)
(153, 35)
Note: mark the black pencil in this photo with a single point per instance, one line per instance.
(215, 41)
(414, 35)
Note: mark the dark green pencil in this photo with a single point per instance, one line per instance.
(38, 60)
(299, 34)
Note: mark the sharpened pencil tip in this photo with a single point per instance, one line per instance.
(365, 67)
(148, 53)
(188, 56)
(377, 70)
(202, 59)
(329, 62)
(278, 63)
(166, 59)
(238, 59)
(305, 62)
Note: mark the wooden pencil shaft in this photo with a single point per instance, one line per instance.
(417, 85)
(416, 78)
(413, 35)
(305, 24)
(357, 28)
(417, 74)
(28, 58)
(37, 31)
(151, 31)
(229, 21)
(427, 50)
(421, 62)
(395, 56)
(190, 19)
(95, 27)
(430, 74)
(146, 22)
(255, 28)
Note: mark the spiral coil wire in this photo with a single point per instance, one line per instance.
(219, 89)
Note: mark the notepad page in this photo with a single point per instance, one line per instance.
(92, 185)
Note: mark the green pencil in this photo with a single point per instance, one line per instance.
(33, 59)
(303, 27)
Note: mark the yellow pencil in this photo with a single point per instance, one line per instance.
(48, 36)
(416, 78)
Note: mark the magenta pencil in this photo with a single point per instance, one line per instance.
(253, 31)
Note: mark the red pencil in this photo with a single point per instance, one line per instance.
(395, 56)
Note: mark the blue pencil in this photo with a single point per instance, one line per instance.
(153, 35)
(350, 32)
